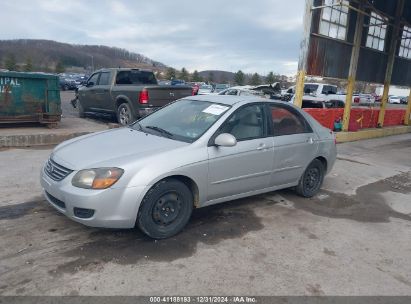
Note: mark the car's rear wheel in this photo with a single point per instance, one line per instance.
(165, 209)
(312, 179)
(125, 114)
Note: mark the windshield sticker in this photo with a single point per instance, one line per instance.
(215, 109)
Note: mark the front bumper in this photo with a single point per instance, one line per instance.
(111, 208)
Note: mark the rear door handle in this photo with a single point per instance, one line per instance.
(310, 140)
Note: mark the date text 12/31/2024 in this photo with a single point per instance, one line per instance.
(203, 299)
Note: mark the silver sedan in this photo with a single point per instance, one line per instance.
(194, 152)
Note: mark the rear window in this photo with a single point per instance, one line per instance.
(135, 77)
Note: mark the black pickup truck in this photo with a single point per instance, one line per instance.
(127, 94)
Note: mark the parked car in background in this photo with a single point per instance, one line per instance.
(272, 91)
(320, 103)
(287, 95)
(404, 100)
(178, 82)
(363, 98)
(320, 90)
(195, 88)
(67, 83)
(71, 81)
(195, 152)
(126, 94)
(377, 97)
(333, 103)
(205, 89)
(394, 99)
(220, 87)
(241, 91)
(164, 82)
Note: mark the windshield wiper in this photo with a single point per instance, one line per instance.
(160, 130)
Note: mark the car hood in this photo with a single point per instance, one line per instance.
(111, 148)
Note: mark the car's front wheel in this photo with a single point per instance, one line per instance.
(165, 209)
(312, 179)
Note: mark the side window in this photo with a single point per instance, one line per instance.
(246, 123)
(325, 89)
(329, 90)
(287, 121)
(104, 78)
(94, 78)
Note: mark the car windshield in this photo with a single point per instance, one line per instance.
(185, 120)
(206, 87)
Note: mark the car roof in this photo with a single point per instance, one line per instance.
(232, 99)
(122, 69)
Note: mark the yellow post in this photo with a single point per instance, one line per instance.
(299, 89)
(390, 62)
(407, 120)
(348, 102)
(384, 100)
(352, 72)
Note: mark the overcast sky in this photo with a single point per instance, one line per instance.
(254, 36)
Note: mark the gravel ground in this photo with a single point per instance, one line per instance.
(353, 238)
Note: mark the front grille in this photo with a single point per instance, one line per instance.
(56, 171)
(56, 201)
(83, 213)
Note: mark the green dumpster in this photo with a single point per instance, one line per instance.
(29, 97)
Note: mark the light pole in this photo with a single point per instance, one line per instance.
(92, 63)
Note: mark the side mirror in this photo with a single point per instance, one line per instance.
(90, 84)
(225, 140)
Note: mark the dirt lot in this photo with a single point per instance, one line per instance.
(351, 239)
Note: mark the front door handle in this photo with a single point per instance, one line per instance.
(310, 140)
(261, 147)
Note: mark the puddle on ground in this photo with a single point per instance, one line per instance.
(209, 225)
(367, 205)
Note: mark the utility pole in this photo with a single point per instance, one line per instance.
(92, 63)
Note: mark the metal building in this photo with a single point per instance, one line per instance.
(357, 40)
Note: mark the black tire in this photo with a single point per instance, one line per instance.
(312, 179)
(125, 115)
(81, 113)
(165, 209)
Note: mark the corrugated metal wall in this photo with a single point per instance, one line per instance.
(330, 57)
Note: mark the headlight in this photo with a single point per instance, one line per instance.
(100, 178)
